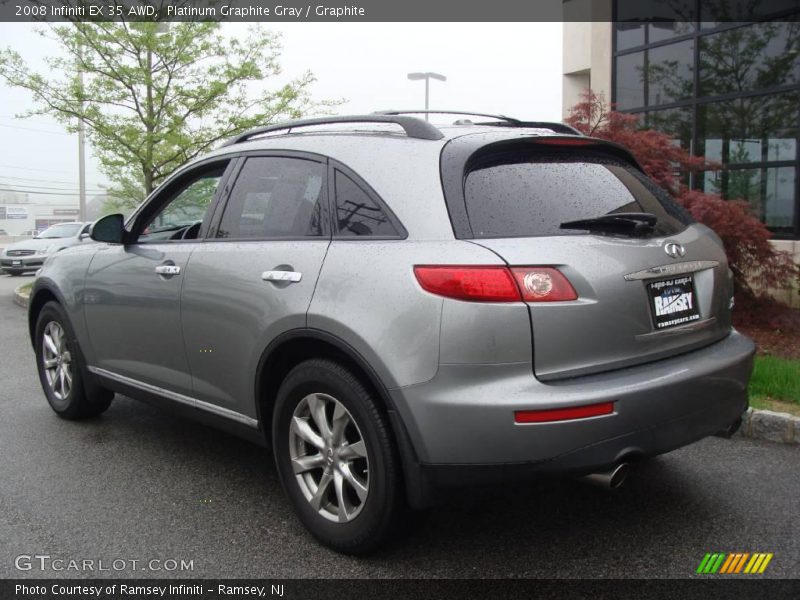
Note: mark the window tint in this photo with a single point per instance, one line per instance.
(531, 196)
(357, 214)
(275, 197)
(187, 207)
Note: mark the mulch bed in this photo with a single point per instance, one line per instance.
(773, 326)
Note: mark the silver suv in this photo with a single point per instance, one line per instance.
(397, 307)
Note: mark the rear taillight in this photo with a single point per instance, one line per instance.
(495, 283)
(479, 284)
(543, 284)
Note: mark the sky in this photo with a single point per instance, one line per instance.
(507, 68)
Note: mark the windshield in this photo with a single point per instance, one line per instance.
(60, 231)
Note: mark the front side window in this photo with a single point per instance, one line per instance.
(180, 218)
(275, 197)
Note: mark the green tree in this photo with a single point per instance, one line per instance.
(155, 95)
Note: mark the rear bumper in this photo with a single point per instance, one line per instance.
(461, 423)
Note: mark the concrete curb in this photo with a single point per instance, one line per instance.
(770, 426)
(21, 296)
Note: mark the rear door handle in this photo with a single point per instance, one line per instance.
(168, 270)
(289, 276)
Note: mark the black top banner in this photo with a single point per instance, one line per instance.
(397, 10)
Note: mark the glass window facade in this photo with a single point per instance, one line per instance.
(728, 91)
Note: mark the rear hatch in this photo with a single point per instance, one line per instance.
(650, 283)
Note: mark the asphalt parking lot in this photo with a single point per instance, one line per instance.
(139, 484)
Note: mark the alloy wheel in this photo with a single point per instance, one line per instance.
(329, 457)
(57, 360)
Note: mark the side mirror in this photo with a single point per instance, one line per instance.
(84, 236)
(110, 229)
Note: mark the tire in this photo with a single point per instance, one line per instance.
(357, 521)
(71, 396)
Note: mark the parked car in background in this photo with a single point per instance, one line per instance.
(29, 255)
(29, 233)
(397, 307)
(3, 232)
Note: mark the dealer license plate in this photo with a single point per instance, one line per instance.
(673, 301)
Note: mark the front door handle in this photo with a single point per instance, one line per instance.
(287, 276)
(168, 270)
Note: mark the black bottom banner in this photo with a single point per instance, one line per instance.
(340, 589)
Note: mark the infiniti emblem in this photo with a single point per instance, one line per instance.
(674, 249)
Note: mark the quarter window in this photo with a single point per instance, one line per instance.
(275, 197)
(357, 214)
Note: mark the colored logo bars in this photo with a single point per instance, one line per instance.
(734, 563)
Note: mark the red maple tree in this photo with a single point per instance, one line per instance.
(755, 263)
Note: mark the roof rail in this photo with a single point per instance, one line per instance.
(504, 121)
(414, 128)
(444, 112)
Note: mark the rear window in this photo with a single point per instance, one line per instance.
(531, 195)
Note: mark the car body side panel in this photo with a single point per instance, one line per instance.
(368, 296)
(230, 314)
(64, 275)
(485, 333)
(133, 313)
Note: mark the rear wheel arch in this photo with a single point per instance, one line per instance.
(293, 347)
(296, 346)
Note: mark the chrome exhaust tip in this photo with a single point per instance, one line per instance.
(609, 480)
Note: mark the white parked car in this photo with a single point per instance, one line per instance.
(29, 255)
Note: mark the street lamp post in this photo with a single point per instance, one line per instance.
(427, 76)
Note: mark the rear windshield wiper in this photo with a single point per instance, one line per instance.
(637, 222)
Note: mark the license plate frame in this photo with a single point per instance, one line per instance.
(673, 302)
(16, 263)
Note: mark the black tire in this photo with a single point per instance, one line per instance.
(383, 504)
(84, 399)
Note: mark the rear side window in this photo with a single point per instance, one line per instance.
(357, 214)
(275, 197)
(531, 195)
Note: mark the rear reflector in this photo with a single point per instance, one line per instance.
(495, 283)
(563, 414)
(479, 284)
